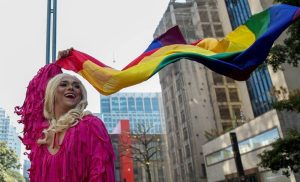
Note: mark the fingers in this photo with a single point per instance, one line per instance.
(64, 53)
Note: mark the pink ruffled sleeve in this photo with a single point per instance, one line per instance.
(102, 159)
(31, 111)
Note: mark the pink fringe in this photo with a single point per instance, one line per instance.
(86, 153)
(31, 111)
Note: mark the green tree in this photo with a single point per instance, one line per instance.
(292, 103)
(285, 154)
(16, 176)
(288, 51)
(8, 162)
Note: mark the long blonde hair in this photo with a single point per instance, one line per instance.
(69, 119)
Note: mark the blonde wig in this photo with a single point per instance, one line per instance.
(69, 119)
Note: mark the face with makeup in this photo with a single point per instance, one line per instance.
(68, 94)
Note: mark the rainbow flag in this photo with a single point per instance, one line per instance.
(236, 55)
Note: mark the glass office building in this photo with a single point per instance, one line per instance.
(138, 108)
(259, 84)
(8, 133)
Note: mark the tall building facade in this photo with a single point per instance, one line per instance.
(26, 166)
(268, 125)
(259, 84)
(143, 108)
(196, 100)
(8, 133)
(137, 108)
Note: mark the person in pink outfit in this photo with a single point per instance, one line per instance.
(66, 143)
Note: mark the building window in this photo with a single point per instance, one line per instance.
(147, 104)
(176, 122)
(233, 95)
(131, 104)
(172, 92)
(169, 126)
(203, 170)
(212, 4)
(238, 11)
(191, 170)
(182, 172)
(178, 136)
(221, 94)
(207, 32)
(174, 107)
(180, 100)
(168, 111)
(105, 105)
(180, 155)
(155, 106)
(219, 30)
(259, 86)
(215, 16)
(185, 134)
(115, 104)
(174, 161)
(236, 110)
(203, 16)
(217, 78)
(123, 104)
(187, 151)
(139, 104)
(171, 142)
(178, 84)
(166, 97)
(182, 116)
(224, 112)
(250, 144)
(176, 173)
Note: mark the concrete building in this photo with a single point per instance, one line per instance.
(257, 135)
(253, 138)
(9, 134)
(263, 81)
(196, 100)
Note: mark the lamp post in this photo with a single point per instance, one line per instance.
(51, 31)
(237, 157)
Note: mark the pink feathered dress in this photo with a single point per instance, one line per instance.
(85, 155)
(86, 152)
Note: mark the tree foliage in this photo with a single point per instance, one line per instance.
(289, 51)
(292, 103)
(8, 162)
(16, 176)
(285, 154)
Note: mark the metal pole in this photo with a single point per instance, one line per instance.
(54, 30)
(48, 33)
(237, 157)
(51, 31)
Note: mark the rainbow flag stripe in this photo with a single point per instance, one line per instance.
(236, 55)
